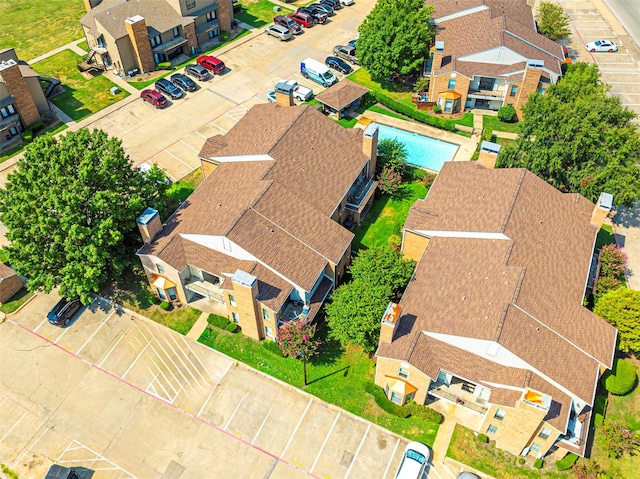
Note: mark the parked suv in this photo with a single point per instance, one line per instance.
(288, 23)
(278, 31)
(155, 98)
(346, 52)
(323, 8)
(184, 82)
(62, 313)
(211, 63)
(197, 71)
(165, 86)
(320, 17)
(298, 91)
(303, 19)
(338, 64)
(335, 4)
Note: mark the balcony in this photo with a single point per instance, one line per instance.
(577, 429)
(360, 193)
(204, 288)
(170, 45)
(207, 27)
(458, 392)
(294, 311)
(10, 120)
(497, 94)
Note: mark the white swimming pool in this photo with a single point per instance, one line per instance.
(422, 151)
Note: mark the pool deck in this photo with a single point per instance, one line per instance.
(466, 146)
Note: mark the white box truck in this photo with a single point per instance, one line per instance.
(318, 72)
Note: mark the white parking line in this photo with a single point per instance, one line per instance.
(188, 146)
(13, 427)
(57, 340)
(166, 150)
(95, 332)
(355, 456)
(32, 444)
(325, 442)
(155, 378)
(264, 421)
(38, 327)
(169, 370)
(235, 410)
(186, 343)
(296, 428)
(114, 347)
(179, 354)
(135, 361)
(395, 448)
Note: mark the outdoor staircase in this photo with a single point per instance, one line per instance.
(89, 56)
(52, 83)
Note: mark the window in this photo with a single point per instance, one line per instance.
(486, 84)
(545, 433)
(268, 331)
(176, 32)
(232, 300)
(13, 131)
(451, 85)
(161, 293)
(191, 4)
(265, 314)
(403, 373)
(211, 16)
(160, 268)
(172, 294)
(499, 415)
(396, 398)
(236, 318)
(542, 91)
(7, 111)
(448, 105)
(514, 89)
(155, 41)
(535, 448)
(213, 33)
(492, 429)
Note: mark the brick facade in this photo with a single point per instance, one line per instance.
(9, 285)
(529, 85)
(247, 309)
(225, 15)
(137, 30)
(17, 86)
(190, 35)
(413, 245)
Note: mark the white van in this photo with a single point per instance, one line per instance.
(318, 72)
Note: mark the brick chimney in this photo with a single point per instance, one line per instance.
(137, 31)
(225, 15)
(389, 321)
(149, 225)
(370, 146)
(245, 292)
(601, 209)
(17, 86)
(284, 94)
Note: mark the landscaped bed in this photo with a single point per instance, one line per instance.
(338, 376)
(82, 97)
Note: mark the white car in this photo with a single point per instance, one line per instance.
(301, 93)
(601, 46)
(346, 3)
(414, 461)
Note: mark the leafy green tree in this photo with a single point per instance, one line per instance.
(70, 209)
(382, 266)
(552, 21)
(621, 308)
(297, 340)
(389, 181)
(395, 37)
(392, 153)
(618, 439)
(579, 139)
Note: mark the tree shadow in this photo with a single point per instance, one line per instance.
(331, 349)
(344, 370)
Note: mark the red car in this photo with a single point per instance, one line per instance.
(303, 19)
(213, 64)
(155, 98)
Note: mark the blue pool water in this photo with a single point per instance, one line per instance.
(422, 151)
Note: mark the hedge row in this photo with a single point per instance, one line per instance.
(384, 403)
(411, 112)
(622, 379)
(222, 323)
(566, 463)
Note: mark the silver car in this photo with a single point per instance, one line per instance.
(278, 31)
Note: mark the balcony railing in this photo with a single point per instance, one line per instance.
(498, 93)
(359, 191)
(204, 288)
(9, 120)
(577, 429)
(464, 400)
(170, 45)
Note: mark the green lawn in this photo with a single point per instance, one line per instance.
(346, 122)
(257, 14)
(387, 216)
(53, 129)
(16, 301)
(605, 236)
(465, 448)
(82, 97)
(84, 45)
(336, 375)
(180, 190)
(492, 123)
(35, 27)
(385, 111)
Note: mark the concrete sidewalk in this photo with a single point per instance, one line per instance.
(199, 326)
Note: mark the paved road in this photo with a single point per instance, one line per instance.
(628, 13)
(129, 398)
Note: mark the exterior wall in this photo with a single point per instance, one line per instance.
(247, 309)
(190, 35)
(341, 267)
(413, 245)
(17, 86)
(149, 263)
(545, 443)
(140, 41)
(33, 84)
(270, 320)
(529, 85)
(515, 431)
(9, 286)
(390, 367)
(225, 14)
(440, 83)
(125, 54)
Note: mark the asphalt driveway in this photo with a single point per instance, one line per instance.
(127, 397)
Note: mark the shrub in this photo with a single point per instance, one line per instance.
(613, 261)
(487, 134)
(428, 180)
(606, 284)
(422, 84)
(389, 181)
(384, 403)
(437, 109)
(217, 321)
(153, 299)
(272, 347)
(566, 462)
(27, 135)
(506, 113)
(424, 412)
(231, 327)
(395, 241)
(521, 461)
(165, 305)
(538, 463)
(553, 23)
(483, 438)
(224, 36)
(411, 112)
(618, 439)
(164, 65)
(37, 126)
(587, 470)
(620, 380)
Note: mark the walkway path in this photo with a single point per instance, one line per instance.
(69, 46)
(198, 328)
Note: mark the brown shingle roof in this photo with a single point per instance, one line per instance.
(342, 94)
(524, 291)
(5, 271)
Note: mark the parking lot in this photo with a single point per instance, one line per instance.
(172, 137)
(129, 398)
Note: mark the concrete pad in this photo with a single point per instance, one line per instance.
(172, 166)
(225, 122)
(630, 77)
(125, 119)
(373, 455)
(185, 154)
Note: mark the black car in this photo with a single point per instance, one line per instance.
(197, 71)
(320, 17)
(62, 313)
(335, 4)
(184, 82)
(165, 86)
(338, 64)
(322, 7)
